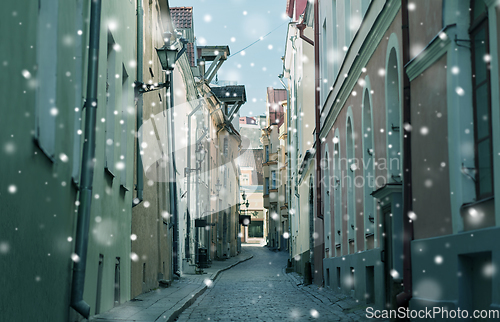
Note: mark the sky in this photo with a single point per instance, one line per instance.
(239, 23)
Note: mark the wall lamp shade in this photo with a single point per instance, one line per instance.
(200, 154)
(167, 56)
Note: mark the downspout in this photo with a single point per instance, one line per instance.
(404, 297)
(301, 28)
(288, 178)
(87, 172)
(173, 175)
(317, 108)
(138, 97)
(188, 181)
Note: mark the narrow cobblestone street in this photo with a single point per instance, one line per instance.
(259, 290)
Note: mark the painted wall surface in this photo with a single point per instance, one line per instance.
(425, 21)
(36, 193)
(110, 222)
(431, 188)
(152, 238)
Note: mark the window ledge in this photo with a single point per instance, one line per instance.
(50, 157)
(109, 172)
(122, 187)
(75, 184)
(478, 214)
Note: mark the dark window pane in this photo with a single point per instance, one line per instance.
(485, 172)
(482, 117)
(480, 65)
(478, 8)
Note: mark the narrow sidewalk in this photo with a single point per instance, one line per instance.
(165, 304)
(340, 303)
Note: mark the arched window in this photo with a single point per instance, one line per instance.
(394, 128)
(326, 187)
(351, 191)
(368, 162)
(337, 191)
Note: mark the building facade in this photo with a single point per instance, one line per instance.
(408, 150)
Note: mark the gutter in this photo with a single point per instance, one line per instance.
(404, 297)
(301, 27)
(87, 172)
(138, 96)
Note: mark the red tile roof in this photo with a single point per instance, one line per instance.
(275, 109)
(182, 17)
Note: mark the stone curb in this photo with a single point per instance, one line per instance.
(175, 314)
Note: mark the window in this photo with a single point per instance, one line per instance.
(266, 187)
(110, 105)
(337, 187)
(267, 153)
(481, 89)
(347, 22)
(46, 104)
(369, 163)
(245, 179)
(273, 180)
(351, 198)
(324, 62)
(226, 147)
(124, 127)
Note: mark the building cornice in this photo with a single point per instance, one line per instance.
(370, 44)
(430, 54)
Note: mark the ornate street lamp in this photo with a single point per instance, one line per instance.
(167, 55)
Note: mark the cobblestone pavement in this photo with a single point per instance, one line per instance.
(259, 290)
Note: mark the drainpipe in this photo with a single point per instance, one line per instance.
(138, 97)
(87, 172)
(188, 175)
(404, 297)
(317, 107)
(173, 174)
(288, 170)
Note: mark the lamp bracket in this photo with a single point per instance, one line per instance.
(146, 88)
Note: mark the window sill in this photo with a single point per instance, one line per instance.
(122, 187)
(50, 157)
(478, 214)
(107, 171)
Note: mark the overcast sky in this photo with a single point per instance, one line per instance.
(239, 23)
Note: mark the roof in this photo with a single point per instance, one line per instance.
(253, 158)
(230, 94)
(275, 109)
(182, 17)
